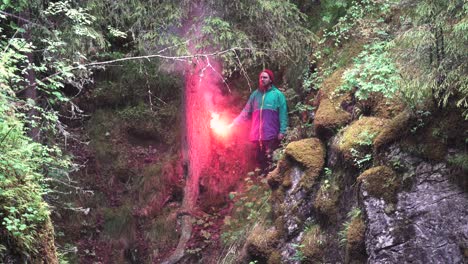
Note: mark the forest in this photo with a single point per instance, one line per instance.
(120, 142)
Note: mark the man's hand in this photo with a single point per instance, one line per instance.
(280, 136)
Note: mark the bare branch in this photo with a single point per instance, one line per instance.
(19, 18)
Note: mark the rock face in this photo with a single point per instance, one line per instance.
(428, 223)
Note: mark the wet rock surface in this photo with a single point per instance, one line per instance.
(429, 222)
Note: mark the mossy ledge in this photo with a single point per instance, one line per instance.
(313, 245)
(360, 135)
(330, 116)
(309, 152)
(327, 199)
(380, 182)
(355, 248)
(393, 130)
(261, 243)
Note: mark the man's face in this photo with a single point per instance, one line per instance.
(264, 81)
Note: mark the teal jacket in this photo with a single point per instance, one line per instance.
(269, 113)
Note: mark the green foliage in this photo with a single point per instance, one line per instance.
(360, 159)
(343, 234)
(356, 11)
(459, 160)
(373, 72)
(23, 166)
(432, 53)
(250, 207)
(243, 34)
(360, 153)
(366, 138)
(312, 245)
(298, 255)
(35, 66)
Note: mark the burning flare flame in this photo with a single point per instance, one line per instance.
(219, 126)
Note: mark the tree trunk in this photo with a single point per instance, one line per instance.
(30, 76)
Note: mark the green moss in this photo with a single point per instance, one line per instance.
(380, 182)
(433, 147)
(261, 242)
(327, 198)
(459, 160)
(47, 249)
(386, 107)
(161, 231)
(351, 50)
(355, 247)
(310, 153)
(359, 136)
(313, 245)
(276, 178)
(393, 130)
(275, 258)
(119, 222)
(434, 131)
(330, 116)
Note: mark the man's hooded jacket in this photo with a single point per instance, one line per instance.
(269, 114)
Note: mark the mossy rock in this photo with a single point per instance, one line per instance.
(393, 130)
(278, 177)
(275, 258)
(360, 135)
(433, 135)
(386, 107)
(47, 250)
(326, 201)
(381, 182)
(329, 118)
(355, 248)
(313, 245)
(310, 153)
(261, 243)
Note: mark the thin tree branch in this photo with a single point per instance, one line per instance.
(147, 57)
(18, 17)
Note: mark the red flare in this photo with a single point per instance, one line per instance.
(218, 125)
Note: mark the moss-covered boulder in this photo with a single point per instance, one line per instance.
(355, 248)
(381, 182)
(327, 199)
(311, 154)
(393, 129)
(356, 141)
(330, 116)
(313, 245)
(386, 107)
(280, 176)
(261, 243)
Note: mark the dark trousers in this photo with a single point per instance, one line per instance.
(264, 152)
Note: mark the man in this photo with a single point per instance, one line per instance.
(268, 110)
